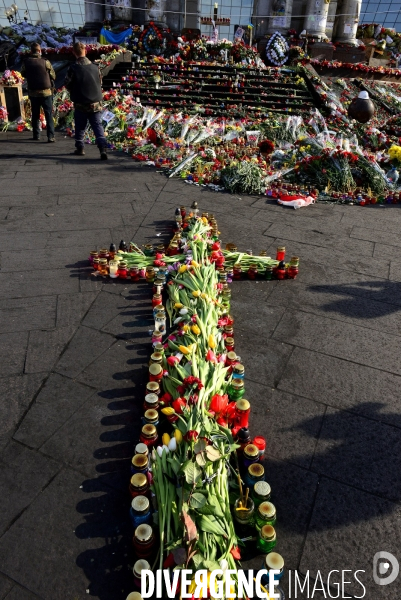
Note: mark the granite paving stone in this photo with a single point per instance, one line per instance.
(17, 393)
(316, 237)
(22, 314)
(122, 363)
(45, 347)
(73, 522)
(263, 364)
(5, 586)
(335, 338)
(278, 417)
(343, 384)
(366, 265)
(27, 241)
(321, 357)
(104, 309)
(347, 528)
(99, 437)
(88, 238)
(19, 593)
(56, 402)
(71, 308)
(353, 443)
(333, 302)
(25, 284)
(54, 258)
(86, 345)
(23, 475)
(12, 352)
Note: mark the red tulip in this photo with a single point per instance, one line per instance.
(191, 435)
(172, 361)
(178, 405)
(211, 357)
(235, 552)
(219, 404)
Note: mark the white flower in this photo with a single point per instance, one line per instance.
(172, 445)
(165, 449)
(183, 311)
(159, 451)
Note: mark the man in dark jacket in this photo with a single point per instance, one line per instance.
(40, 77)
(83, 81)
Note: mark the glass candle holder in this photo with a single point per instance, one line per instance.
(236, 391)
(144, 541)
(250, 455)
(153, 387)
(139, 464)
(103, 266)
(260, 442)
(242, 409)
(113, 269)
(134, 273)
(253, 271)
(280, 254)
(266, 514)
(261, 492)
(149, 435)
(160, 322)
(155, 373)
(151, 402)
(140, 511)
(151, 417)
(93, 254)
(238, 371)
(267, 539)
(95, 264)
(139, 485)
(139, 566)
(243, 515)
(122, 269)
(150, 274)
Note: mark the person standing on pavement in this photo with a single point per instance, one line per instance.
(40, 76)
(83, 81)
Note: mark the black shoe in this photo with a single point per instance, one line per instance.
(79, 152)
(103, 154)
(51, 140)
(36, 139)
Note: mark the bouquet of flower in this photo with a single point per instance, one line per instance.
(11, 78)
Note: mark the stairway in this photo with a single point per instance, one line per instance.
(214, 89)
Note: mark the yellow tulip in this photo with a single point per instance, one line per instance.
(212, 341)
(178, 305)
(178, 436)
(185, 328)
(204, 296)
(166, 439)
(184, 349)
(196, 293)
(195, 329)
(168, 411)
(182, 269)
(194, 263)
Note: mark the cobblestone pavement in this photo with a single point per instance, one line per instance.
(322, 357)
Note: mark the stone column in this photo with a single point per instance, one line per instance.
(94, 14)
(155, 12)
(261, 23)
(346, 22)
(280, 16)
(316, 17)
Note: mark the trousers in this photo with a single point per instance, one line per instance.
(95, 121)
(45, 102)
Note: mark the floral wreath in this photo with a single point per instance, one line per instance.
(152, 39)
(277, 49)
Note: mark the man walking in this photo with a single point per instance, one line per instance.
(83, 81)
(40, 76)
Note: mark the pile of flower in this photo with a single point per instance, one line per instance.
(195, 450)
(45, 35)
(11, 78)
(3, 114)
